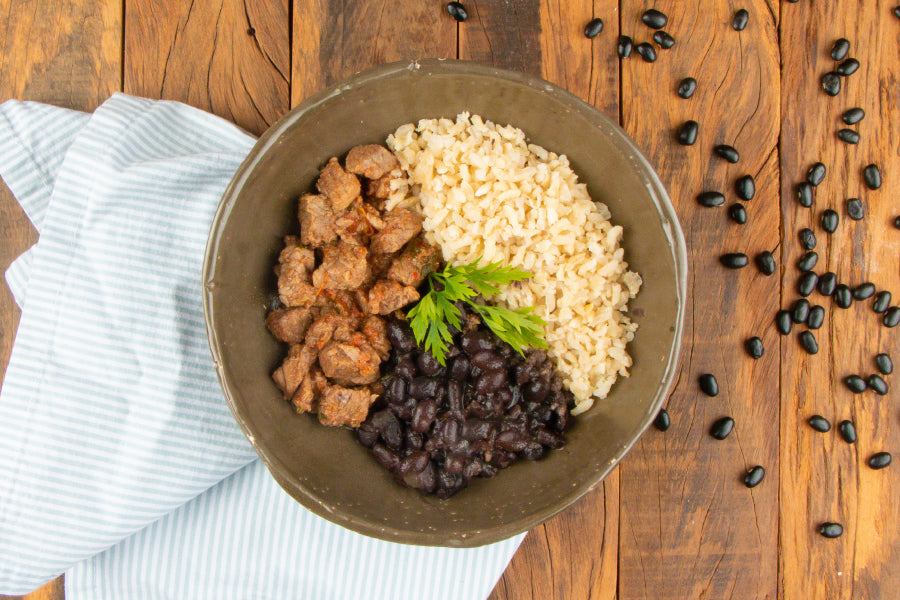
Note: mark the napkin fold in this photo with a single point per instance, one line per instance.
(111, 418)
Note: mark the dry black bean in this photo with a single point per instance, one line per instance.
(847, 431)
(593, 28)
(734, 260)
(708, 384)
(831, 83)
(843, 297)
(830, 530)
(765, 262)
(848, 67)
(819, 423)
(741, 18)
(646, 52)
(664, 40)
(840, 49)
(807, 283)
(877, 384)
(687, 133)
(830, 220)
(884, 363)
(808, 261)
(855, 384)
(800, 311)
(896, 11)
(662, 420)
(458, 12)
(722, 428)
(864, 291)
(879, 460)
(897, 222)
(855, 209)
(710, 199)
(805, 194)
(745, 187)
(816, 174)
(872, 176)
(827, 283)
(807, 238)
(892, 317)
(816, 317)
(808, 342)
(654, 18)
(852, 116)
(882, 301)
(783, 322)
(687, 87)
(754, 476)
(754, 347)
(848, 136)
(727, 152)
(737, 213)
(624, 46)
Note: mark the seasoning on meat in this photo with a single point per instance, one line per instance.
(294, 288)
(400, 226)
(417, 260)
(375, 330)
(380, 189)
(345, 406)
(353, 225)
(339, 186)
(350, 363)
(295, 367)
(387, 296)
(343, 267)
(316, 220)
(289, 324)
(371, 161)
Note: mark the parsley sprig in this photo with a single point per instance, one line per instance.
(434, 314)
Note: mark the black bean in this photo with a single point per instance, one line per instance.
(593, 28)
(800, 311)
(847, 431)
(737, 213)
(458, 12)
(848, 67)
(475, 341)
(808, 342)
(891, 317)
(662, 420)
(687, 133)
(896, 11)
(765, 262)
(722, 428)
(400, 335)
(843, 297)
(807, 283)
(490, 381)
(459, 368)
(428, 365)
(367, 434)
(385, 457)
(830, 220)
(405, 367)
(816, 174)
(808, 261)
(831, 83)
(816, 317)
(535, 390)
(687, 87)
(830, 530)
(872, 176)
(884, 363)
(734, 260)
(882, 301)
(827, 283)
(805, 194)
(745, 187)
(783, 322)
(727, 152)
(424, 387)
(710, 199)
(654, 18)
(754, 476)
(877, 384)
(897, 222)
(741, 18)
(840, 49)
(395, 391)
(664, 40)
(754, 347)
(624, 46)
(855, 209)
(879, 460)
(864, 291)
(486, 360)
(848, 136)
(819, 423)
(708, 384)
(852, 116)
(855, 384)
(423, 416)
(807, 238)
(646, 52)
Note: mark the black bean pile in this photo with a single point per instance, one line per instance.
(436, 427)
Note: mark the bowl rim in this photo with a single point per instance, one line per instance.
(668, 218)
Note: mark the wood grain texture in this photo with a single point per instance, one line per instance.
(823, 478)
(230, 57)
(689, 528)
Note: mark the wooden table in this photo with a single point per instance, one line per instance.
(674, 520)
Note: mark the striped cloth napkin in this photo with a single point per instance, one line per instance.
(120, 463)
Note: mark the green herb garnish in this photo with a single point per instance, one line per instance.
(434, 314)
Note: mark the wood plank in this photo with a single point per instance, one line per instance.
(823, 478)
(689, 528)
(229, 57)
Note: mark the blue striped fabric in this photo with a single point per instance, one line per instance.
(110, 413)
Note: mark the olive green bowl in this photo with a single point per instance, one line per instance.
(325, 469)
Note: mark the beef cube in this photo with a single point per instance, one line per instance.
(343, 267)
(316, 220)
(289, 324)
(294, 369)
(304, 398)
(339, 186)
(350, 364)
(294, 252)
(345, 406)
(372, 215)
(353, 226)
(400, 226)
(387, 296)
(380, 189)
(417, 260)
(294, 287)
(375, 330)
(378, 265)
(371, 161)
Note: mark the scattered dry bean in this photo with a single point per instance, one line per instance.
(800, 311)
(816, 174)
(741, 18)
(807, 238)
(877, 384)
(843, 297)
(816, 317)
(827, 283)
(819, 423)
(807, 283)
(830, 530)
(708, 384)
(855, 384)
(872, 176)
(662, 420)
(710, 199)
(840, 49)
(879, 460)
(864, 291)
(808, 261)
(687, 87)
(754, 476)
(754, 347)
(852, 116)
(765, 262)
(848, 136)
(458, 12)
(646, 52)
(830, 220)
(734, 260)
(783, 322)
(847, 431)
(808, 342)
(722, 428)
(882, 301)
(654, 18)
(625, 46)
(745, 187)
(848, 67)
(737, 213)
(831, 83)
(687, 133)
(727, 152)
(892, 317)
(855, 209)
(805, 194)
(884, 363)
(664, 40)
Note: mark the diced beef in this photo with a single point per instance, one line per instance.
(294, 287)
(361, 297)
(371, 161)
(344, 304)
(289, 324)
(316, 220)
(339, 186)
(418, 259)
(375, 330)
(294, 252)
(353, 226)
(345, 406)
(400, 226)
(294, 369)
(324, 329)
(377, 268)
(304, 398)
(387, 296)
(350, 363)
(372, 216)
(343, 267)
(380, 188)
